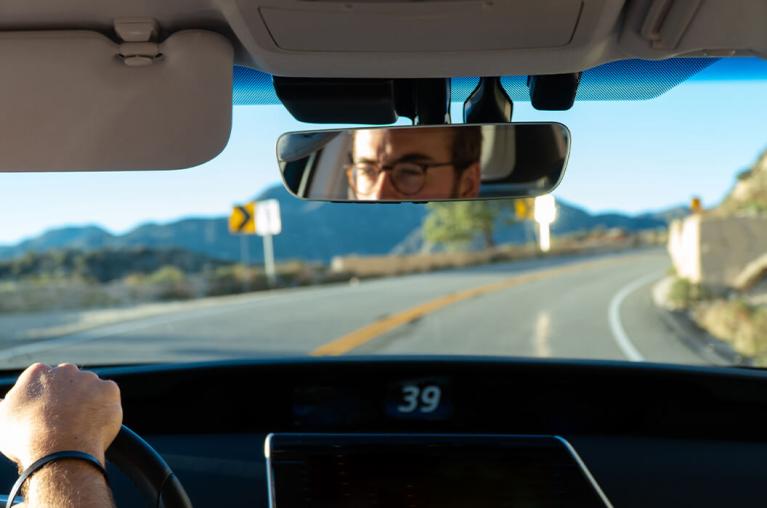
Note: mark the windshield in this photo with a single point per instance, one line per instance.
(657, 250)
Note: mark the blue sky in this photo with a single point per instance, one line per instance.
(626, 156)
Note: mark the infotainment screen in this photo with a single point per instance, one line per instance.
(418, 471)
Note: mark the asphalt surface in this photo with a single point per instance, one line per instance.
(578, 307)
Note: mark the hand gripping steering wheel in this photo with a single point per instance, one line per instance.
(148, 471)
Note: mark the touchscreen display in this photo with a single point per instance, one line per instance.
(416, 471)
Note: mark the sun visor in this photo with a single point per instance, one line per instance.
(78, 101)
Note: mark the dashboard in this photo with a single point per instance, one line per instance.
(647, 434)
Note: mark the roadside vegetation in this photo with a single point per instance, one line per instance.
(738, 318)
(738, 321)
(70, 279)
(457, 226)
(109, 278)
(684, 294)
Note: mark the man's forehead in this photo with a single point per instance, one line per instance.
(399, 140)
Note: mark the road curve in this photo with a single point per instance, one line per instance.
(576, 307)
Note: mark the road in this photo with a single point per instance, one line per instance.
(578, 307)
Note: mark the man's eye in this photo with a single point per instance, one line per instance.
(409, 170)
(366, 169)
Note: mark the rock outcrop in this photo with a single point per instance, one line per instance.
(749, 195)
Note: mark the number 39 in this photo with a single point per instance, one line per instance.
(425, 400)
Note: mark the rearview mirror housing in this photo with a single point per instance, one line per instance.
(424, 163)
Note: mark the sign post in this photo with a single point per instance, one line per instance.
(245, 260)
(241, 223)
(545, 215)
(258, 218)
(268, 224)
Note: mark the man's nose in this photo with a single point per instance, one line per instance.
(385, 187)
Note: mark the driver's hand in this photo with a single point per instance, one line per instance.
(51, 409)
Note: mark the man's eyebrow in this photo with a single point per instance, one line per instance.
(414, 156)
(408, 157)
(366, 160)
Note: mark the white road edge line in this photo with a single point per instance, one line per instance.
(616, 326)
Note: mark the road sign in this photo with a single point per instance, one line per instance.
(545, 209)
(242, 221)
(696, 206)
(258, 218)
(545, 214)
(521, 209)
(268, 220)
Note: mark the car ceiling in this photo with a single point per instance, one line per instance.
(427, 38)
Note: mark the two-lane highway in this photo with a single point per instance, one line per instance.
(578, 307)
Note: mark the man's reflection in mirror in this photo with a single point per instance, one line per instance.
(413, 164)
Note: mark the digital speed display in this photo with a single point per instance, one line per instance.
(427, 398)
(419, 399)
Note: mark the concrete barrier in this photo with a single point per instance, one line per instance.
(719, 252)
(684, 248)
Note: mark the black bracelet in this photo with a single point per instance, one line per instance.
(40, 463)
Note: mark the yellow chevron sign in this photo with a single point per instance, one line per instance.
(523, 208)
(242, 221)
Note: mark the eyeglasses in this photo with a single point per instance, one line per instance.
(407, 177)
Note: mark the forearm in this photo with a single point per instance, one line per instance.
(68, 484)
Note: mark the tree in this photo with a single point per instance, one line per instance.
(456, 225)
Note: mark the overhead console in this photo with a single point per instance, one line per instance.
(438, 38)
(435, 38)
(424, 39)
(370, 26)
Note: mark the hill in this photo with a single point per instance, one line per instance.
(311, 231)
(749, 195)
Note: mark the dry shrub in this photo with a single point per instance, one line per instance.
(738, 322)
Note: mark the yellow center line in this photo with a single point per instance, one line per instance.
(361, 336)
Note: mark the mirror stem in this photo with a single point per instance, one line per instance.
(488, 103)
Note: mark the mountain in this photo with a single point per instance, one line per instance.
(570, 219)
(667, 215)
(311, 231)
(72, 237)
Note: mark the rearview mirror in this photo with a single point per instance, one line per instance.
(424, 163)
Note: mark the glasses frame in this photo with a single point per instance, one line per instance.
(381, 168)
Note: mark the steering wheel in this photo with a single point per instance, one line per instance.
(148, 471)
